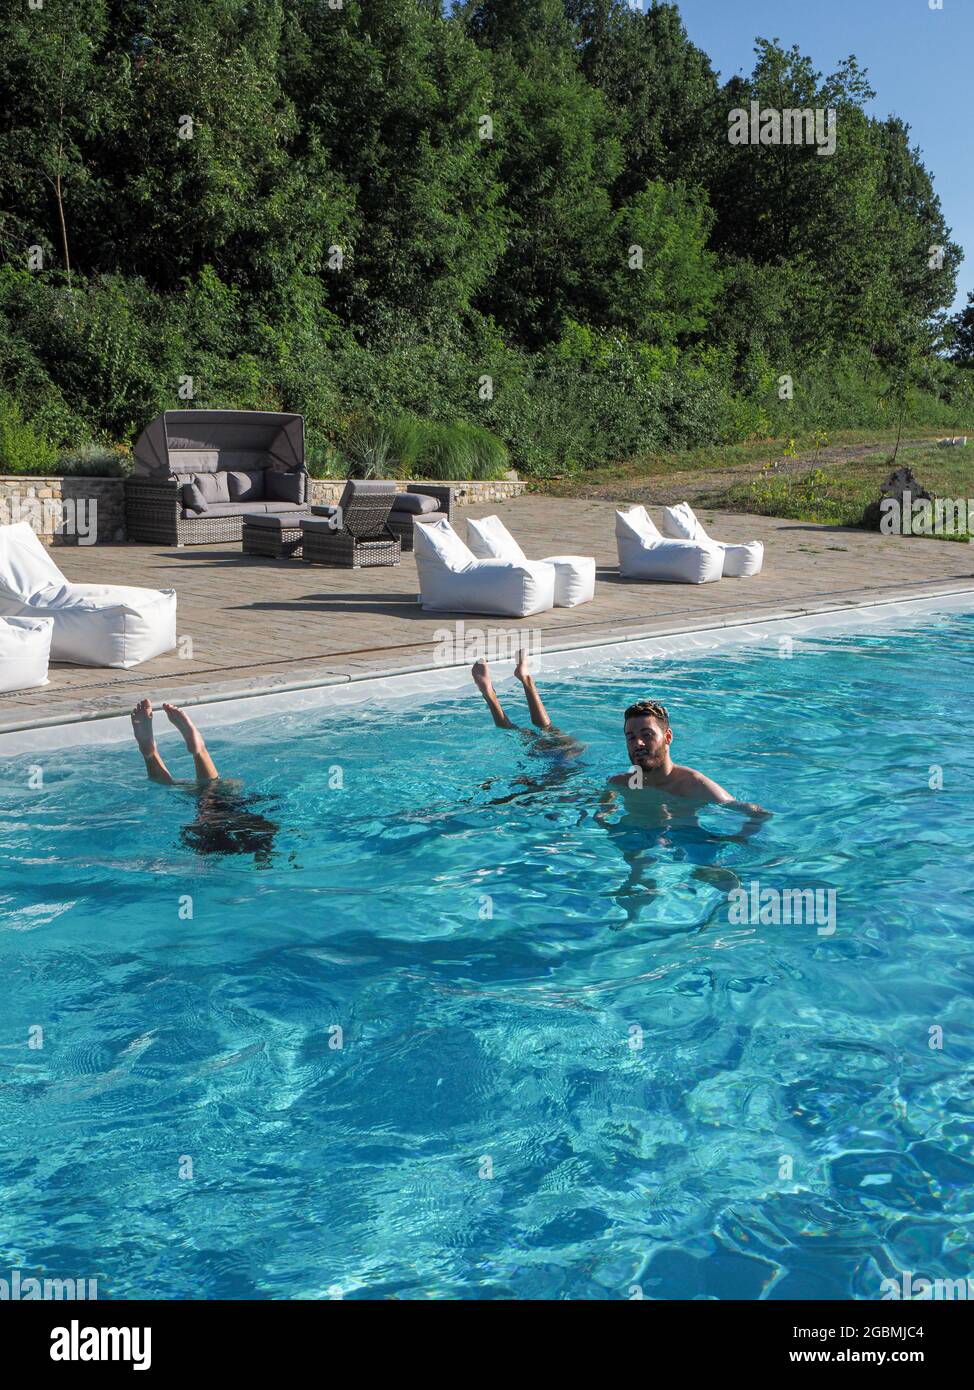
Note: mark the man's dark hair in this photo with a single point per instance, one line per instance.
(652, 708)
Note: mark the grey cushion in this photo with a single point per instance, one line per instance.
(273, 521)
(317, 523)
(193, 500)
(246, 486)
(205, 490)
(212, 487)
(284, 487)
(242, 508)
(415, 502)
(404, 519)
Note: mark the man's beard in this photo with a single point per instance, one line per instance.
(650, 762)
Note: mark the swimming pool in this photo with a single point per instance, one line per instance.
(448, 1042)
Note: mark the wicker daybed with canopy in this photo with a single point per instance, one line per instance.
(197, 473)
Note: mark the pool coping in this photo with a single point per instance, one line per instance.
(735, 628)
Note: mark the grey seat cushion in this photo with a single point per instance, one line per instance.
(404, 519)
(283, 507)
(415, 502)
(242, 508)
(273, 521)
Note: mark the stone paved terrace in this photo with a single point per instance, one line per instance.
(261, 623)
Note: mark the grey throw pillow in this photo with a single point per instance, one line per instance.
(415, 502)
(213, 486)
(284, 487)
(193, 499)
(245, 486)
(205, 488)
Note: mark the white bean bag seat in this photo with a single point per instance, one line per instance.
(489, 539)
(94, 624)
(25, 649)
(453, 580)
(740, 561)
(645, 554)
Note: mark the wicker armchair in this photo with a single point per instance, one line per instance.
(356, 532)
(402, 523)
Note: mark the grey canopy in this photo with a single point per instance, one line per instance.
(209, 441)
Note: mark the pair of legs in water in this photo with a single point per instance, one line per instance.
(559, 749)
(146, 739)
(226, 821)
(551, 739)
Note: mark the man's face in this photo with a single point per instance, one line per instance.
(647, 742)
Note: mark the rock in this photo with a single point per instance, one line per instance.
(900, 481)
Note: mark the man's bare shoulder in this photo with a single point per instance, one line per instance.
(697, 786)
(706, 789)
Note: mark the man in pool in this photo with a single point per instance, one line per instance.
(660, 798)
(648, 738)
(226, 822)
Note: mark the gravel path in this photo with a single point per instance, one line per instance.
(695, 485)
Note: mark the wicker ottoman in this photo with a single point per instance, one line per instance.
(278, 536)
(324, 544)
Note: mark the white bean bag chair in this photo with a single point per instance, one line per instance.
(453, 580)
(489, 539)
(94, 624)
(25, 649)
(740, 561)
(645, 554)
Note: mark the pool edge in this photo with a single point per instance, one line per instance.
(72, 727)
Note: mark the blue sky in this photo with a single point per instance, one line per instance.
(920, 63)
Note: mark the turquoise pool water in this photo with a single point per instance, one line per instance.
(489, 1126)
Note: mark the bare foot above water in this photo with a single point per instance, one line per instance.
(185, 725)
(142, 727)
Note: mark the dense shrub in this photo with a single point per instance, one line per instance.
(23, 448)
(405, 446)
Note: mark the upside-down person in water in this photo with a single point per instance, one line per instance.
(226, 822)
(557, 748)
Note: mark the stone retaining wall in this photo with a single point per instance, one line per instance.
(465, 494)
(66, 511)
(61, 511)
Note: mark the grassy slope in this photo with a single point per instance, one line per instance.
(838, 494)
(831, 483)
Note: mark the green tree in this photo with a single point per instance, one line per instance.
(394, 94)
(962, 337)
(661, 88)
